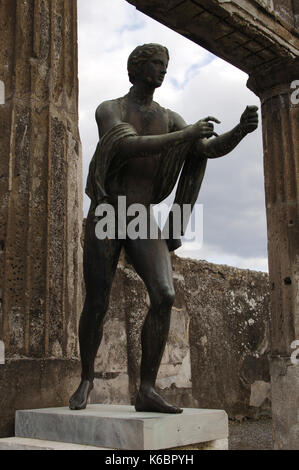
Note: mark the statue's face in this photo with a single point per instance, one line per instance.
(155, 69)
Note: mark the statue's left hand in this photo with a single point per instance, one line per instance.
(249, 120)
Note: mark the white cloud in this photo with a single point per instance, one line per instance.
(197, 84)
(215, 255)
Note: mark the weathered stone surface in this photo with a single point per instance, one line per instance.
(40, 202)
(218, 346)
(285, 384)
(281, 155)
(41, 197)
(284, 11)
(121, 427)
(247, 33)
(34, 383)
(260, 392)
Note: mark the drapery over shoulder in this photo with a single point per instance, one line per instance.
(107, 161)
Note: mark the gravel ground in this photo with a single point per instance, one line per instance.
(250, 435)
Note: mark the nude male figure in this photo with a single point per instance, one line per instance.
(155, 131)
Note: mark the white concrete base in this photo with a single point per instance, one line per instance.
(22, 443)
(121, 427)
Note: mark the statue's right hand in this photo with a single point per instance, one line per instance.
(201, 129)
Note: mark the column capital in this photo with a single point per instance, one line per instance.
(275, 76)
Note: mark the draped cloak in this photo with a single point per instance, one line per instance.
(176, 161)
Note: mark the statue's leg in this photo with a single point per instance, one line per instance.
(100, 259)
(151, 259)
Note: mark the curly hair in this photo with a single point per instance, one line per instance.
(142, 54)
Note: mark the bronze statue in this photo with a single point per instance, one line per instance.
(142, 149)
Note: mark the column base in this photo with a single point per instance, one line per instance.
(34, 383)
(285, 408)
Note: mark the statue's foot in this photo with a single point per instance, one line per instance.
(78, 400)
(149, 400)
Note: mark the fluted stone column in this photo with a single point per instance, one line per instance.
(280, 113)
(40, 200)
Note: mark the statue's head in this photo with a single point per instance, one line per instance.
(141, 56)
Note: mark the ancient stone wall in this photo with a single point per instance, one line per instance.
(218, 346)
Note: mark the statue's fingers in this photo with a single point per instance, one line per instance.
(250, 109)
(211, 118)
(251, 127)
(252, 116)
(249, 117)
(206, 128)
(209, 134)
(205, 133)
(252, 121)
(252, 112)
(253, 108)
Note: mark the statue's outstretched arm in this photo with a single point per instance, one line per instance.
(225, 143)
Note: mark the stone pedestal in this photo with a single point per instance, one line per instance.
(21, 443)
(121, 427)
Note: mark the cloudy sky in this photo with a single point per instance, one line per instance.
(197, 84)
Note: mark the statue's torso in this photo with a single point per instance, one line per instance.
(137, 176)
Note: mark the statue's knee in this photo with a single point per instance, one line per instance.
(164, 298)
(169, 299)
